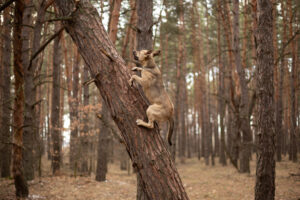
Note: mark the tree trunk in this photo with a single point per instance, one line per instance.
(5, 131)
(181, 62)
(85, 131)
(103, 139)
(55, 107)
(278, 82)
(265, 168)
(18, 173)
(293, 85)
(144, 24)
(244, 104)
(114, 19)
(111, 77)
(74, 148)
(221, 93)
(29, 112)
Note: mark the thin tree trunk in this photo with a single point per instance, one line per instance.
(265, 168)
(85, 131)
(103, 139)
(278, 83)
(5, 131)
(55, 107)
(182, 84)
(293, 85)
(74, 148)
(111, 77)
(18, 171)
(114, 19)
(221, 93)
(244, 105)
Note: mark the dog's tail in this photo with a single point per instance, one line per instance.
(171, 129)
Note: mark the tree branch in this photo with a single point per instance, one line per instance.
(44, 46)
(6, 4)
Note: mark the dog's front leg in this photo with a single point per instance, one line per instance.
(136, 78)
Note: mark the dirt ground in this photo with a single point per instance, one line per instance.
(200, 182)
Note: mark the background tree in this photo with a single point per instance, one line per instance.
(265, 169)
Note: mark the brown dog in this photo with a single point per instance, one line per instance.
(161, 108)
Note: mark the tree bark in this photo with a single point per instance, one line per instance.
(124, 102)
(55, 107)
(29, 113)
(103, 139)
(265, 168)
(18, 171)
(144, 24)
(6, 103)
(114, 19)
(244, 104)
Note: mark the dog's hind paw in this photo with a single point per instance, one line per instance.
(139, 122)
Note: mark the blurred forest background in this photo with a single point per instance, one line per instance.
(208, 64)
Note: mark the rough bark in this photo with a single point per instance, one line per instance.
(265, 169)
(29, 112)
(18, 171)
(5, 131)
(144, 24)
(55, 107)
(124, 102)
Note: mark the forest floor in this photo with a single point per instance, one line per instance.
(200, 182)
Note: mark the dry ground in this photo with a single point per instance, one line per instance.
(201, 182)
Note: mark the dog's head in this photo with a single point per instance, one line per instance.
(145, 55)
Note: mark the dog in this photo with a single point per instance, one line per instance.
(161, 108)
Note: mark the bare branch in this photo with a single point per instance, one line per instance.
(44, 46)
(6, 4)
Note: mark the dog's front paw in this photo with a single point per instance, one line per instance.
(134, 69)
(139, 122)
(130, 81)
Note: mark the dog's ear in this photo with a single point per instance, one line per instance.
(149, 52)
(156, 53)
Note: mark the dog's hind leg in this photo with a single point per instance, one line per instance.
(152, 114)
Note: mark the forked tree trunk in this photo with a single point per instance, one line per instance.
(124, 102)
(18, 173)
(5, 132)
(265, 168)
